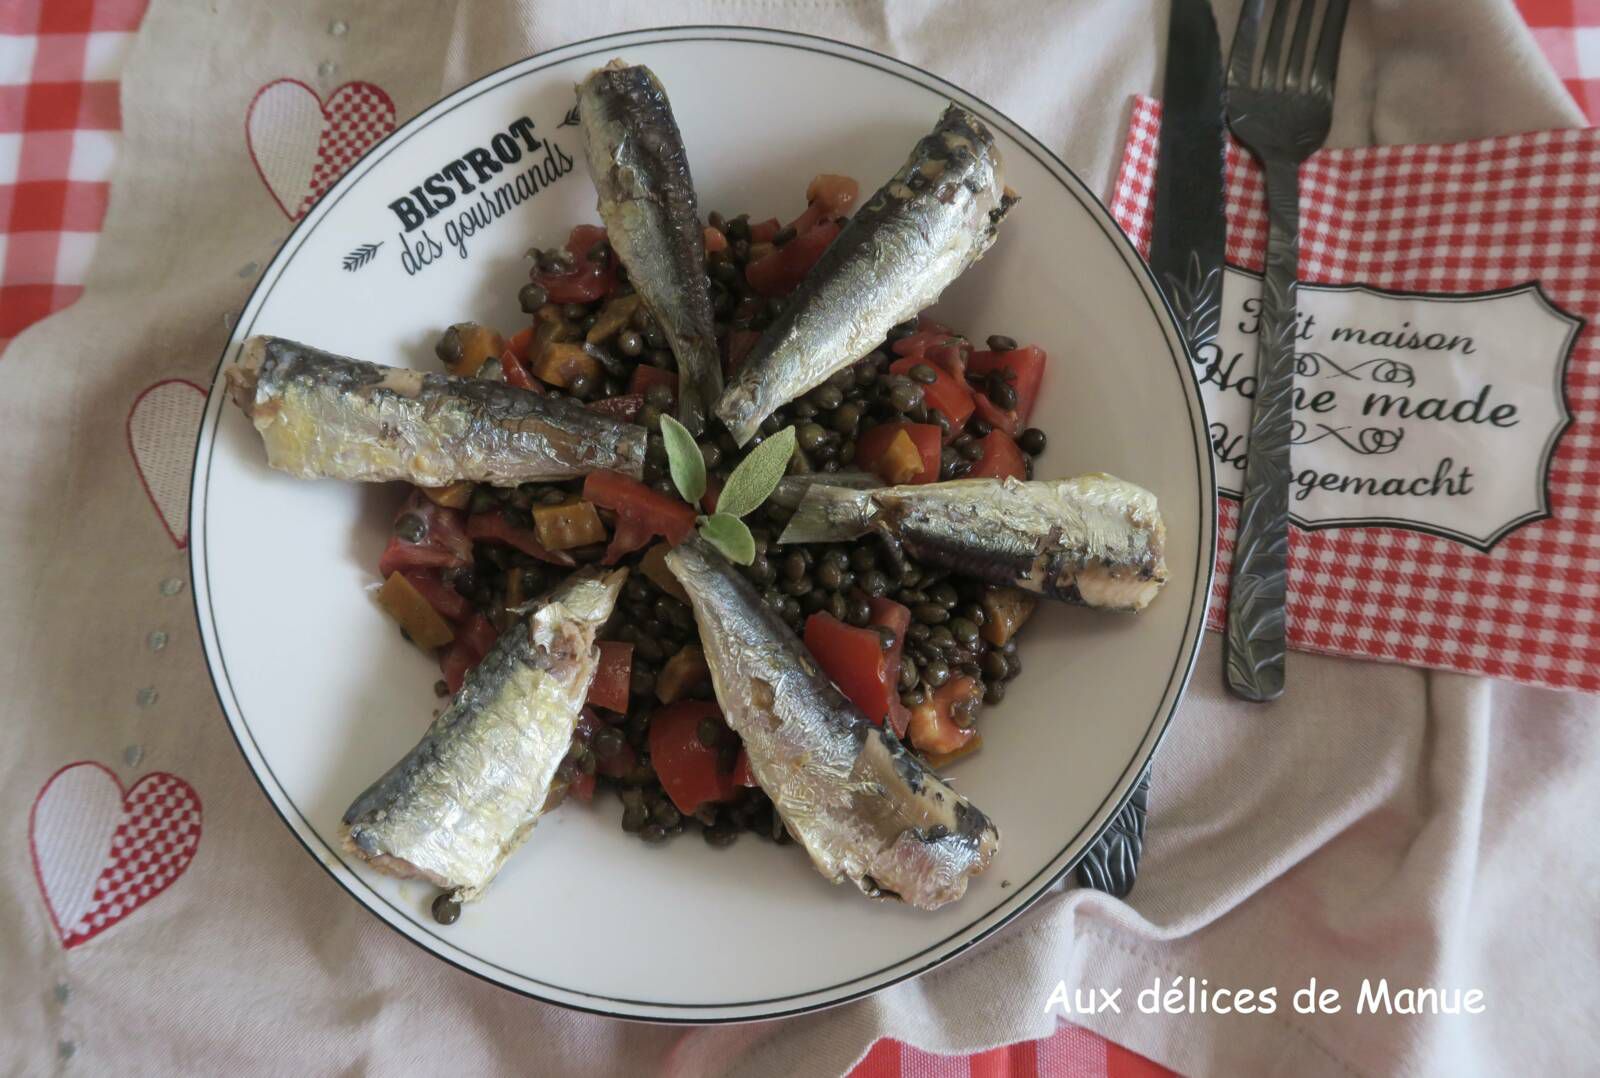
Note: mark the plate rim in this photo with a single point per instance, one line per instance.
(961, 939)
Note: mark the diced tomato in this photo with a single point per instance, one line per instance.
(742, 775)
(951, 357)
(918, 343)
(1000, 458)
(1027, 364)
(946, 394)
(444, 543)
(715, 240)
(781, 272)
(929, 325)
(892, 615)
(454, 663)
(992, 414)
(589, 722)
(827, 197)
(939, 350)
(582, 787)
(612, 676)
(688, 770)
(740, 341)
(641, 512)
(479, 634)
(871, 447)
(585, 282)
(856, 661)
(473, 641)
(619, 765)
(514, 374)
(647, 376)
(521, 344)
(763, 231)
(708, 500)
(933, 730)
(449, 602)
(492, 527)
(624, 406)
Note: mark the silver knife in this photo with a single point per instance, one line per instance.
(1186, 256)
(1190, 223)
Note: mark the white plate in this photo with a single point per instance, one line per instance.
(323, 695)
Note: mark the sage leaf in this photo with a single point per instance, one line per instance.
(684, 460)
(757, 476)
(730, 536)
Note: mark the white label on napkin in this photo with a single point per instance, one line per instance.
(1433, 412)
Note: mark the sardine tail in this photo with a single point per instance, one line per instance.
(829, 515)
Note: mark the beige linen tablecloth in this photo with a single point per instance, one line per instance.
(1378, 822)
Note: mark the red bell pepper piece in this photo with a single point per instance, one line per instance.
(521, 344)
(1000, 458)
(612, 676)
(492, 527)
(647, 376)
(586, 281)
(688, 770)
(856, 661)
(514, 374)
(740, 341)
(641, 512)
(872, 445)
(781, 272)
(946, 393)
(624, 406)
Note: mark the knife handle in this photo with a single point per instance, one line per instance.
(1256, 638)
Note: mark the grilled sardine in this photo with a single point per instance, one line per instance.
(459, 803)
(1093, 540)
(647, 202)
(919, 232)
(863, 807)
(325, 415)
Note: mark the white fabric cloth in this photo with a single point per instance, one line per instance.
(1378, 822)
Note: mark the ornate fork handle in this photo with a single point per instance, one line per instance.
(1258, 586)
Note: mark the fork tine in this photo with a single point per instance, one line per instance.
(1271, 59)
(1242, 57)
(1292, 74)
(1326, 65)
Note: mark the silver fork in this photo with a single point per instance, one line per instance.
(1280, 108)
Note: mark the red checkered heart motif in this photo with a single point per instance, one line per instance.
(100, 851)
(301, 144)
(1450, 219)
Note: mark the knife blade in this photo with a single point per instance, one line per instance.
(1189, 226)
(1187, 248)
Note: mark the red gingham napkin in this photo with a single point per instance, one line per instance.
(59, 120)
(1468, 217)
